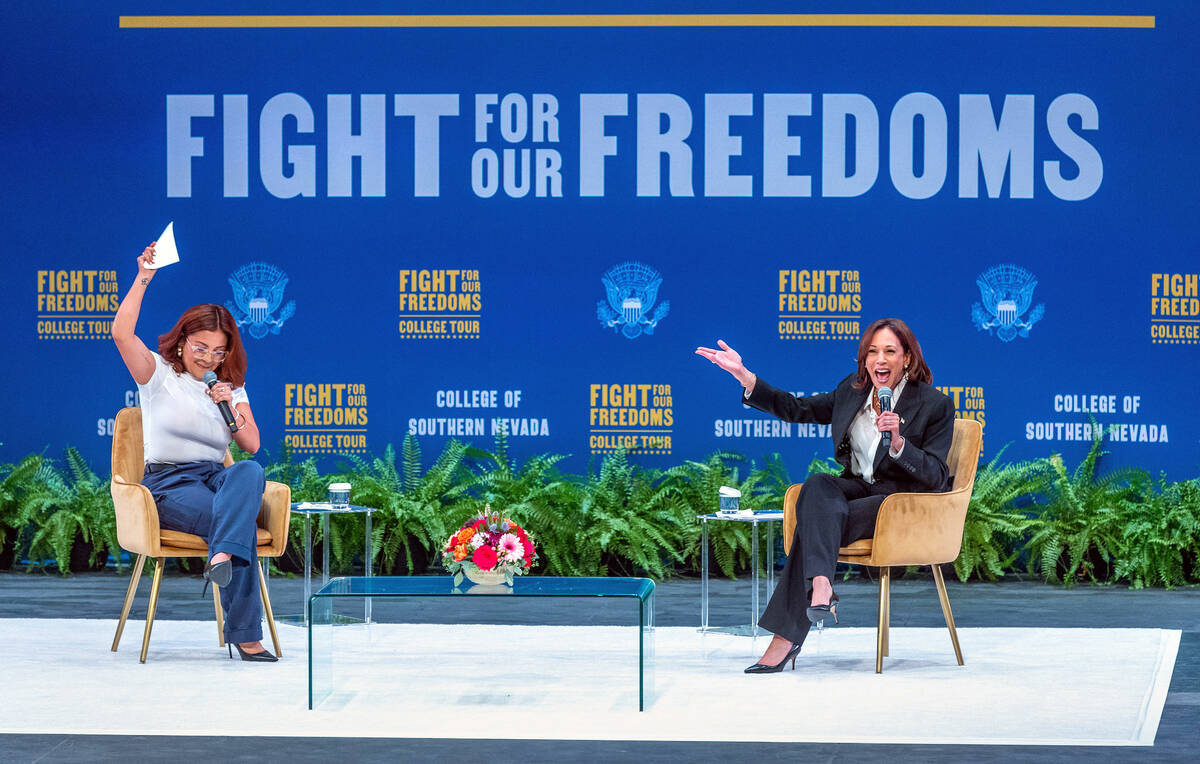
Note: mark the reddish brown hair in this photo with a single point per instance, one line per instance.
(210, 318)
(917, 368)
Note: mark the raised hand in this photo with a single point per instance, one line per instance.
(729, 360)
(145, 273)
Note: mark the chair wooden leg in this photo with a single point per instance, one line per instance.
(220, 615)
(881, 627)
(159, 564)
(134, 578)
(266, 600)
(945, 600)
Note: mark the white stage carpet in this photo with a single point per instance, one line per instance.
(1019, 686)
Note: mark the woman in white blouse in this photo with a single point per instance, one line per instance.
(185, 437)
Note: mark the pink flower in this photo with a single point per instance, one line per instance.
(484, 557)
(510, 548)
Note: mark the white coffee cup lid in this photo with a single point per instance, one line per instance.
(339, 486)
(727, 491)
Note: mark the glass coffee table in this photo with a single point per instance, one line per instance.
(637, 592)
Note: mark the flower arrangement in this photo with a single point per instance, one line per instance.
(489, 549)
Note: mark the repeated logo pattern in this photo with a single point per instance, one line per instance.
(258, 292)
(1006, 292)
(631, 290)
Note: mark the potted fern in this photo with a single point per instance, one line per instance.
(73, 516)
(534, 494)
(997, 520)
(307, 484)
(1081, 527)
(16, 482)
(630, 524)
(413, 509)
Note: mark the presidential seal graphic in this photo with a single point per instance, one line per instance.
(258, 292)
(631, 290)
(1006, 292)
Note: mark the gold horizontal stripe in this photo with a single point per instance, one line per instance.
(418, 21)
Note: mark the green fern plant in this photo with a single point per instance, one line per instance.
(413, 508)
(62, 507)
(307, 484)
(626, 523)
(696, 485)
(534, 495)
(1160, 537)
(996, 523)
(1079, 529)
(13, 486)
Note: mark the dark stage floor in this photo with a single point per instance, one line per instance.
(914, 603)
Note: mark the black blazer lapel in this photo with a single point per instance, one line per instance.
(844, 413)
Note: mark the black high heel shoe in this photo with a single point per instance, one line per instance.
(818, 613)
(263, 656)
(220, 574)
(765, 668)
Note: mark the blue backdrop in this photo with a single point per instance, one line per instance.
(440, 229)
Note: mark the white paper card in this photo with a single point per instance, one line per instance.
(165, 252)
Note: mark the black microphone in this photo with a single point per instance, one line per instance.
(885, 404)
(210, 379)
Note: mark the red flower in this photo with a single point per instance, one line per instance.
(484, 557)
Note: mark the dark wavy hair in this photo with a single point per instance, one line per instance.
(917, 368)
(212, 318)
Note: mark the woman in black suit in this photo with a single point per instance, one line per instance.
(837, 510)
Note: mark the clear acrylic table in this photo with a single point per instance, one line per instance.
(765, 517)
(322, 619)
(325, 509)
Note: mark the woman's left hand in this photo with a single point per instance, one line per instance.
(889, 421)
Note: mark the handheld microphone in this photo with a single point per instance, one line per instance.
(885, 404)
(210, 379)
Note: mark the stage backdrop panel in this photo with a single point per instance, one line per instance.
(449, 224)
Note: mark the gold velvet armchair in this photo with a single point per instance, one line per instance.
(913, 529)
(139, 533)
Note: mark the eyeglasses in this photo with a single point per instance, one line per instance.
(203, 352)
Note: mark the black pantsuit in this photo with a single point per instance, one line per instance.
(833, 511)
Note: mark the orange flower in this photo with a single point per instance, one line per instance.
(460, 553)
(466, 534)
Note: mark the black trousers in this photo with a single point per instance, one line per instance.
(832, 511)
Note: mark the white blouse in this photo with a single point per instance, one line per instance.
(180, 423)
(864, 438)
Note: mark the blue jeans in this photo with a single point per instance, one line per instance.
(220, 504)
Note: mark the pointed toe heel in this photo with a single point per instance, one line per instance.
(264, 656)
(219, 575)
(766, 668)
(818, 613)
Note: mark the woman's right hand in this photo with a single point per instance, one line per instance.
(729, 360)
(145, 273)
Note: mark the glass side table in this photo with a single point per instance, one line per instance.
(765, 517)
(325, 509)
